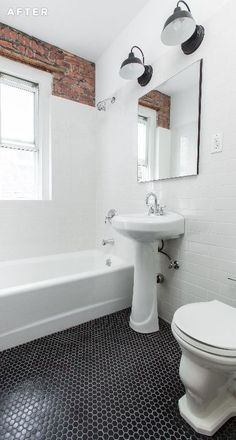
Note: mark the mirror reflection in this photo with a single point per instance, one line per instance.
(169, 127)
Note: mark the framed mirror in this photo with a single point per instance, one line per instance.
(169, 122)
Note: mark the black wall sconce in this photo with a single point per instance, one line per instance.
(181, 28)
(135, 68)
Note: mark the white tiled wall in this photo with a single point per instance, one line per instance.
(94, 170)
(207, 252)
(67, 222)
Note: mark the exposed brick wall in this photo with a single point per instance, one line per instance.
(161, 103)
(76, 81)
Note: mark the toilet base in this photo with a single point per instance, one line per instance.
(209, 421)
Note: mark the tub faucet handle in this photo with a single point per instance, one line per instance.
(111, 213)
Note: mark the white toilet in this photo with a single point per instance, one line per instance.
(206, 333)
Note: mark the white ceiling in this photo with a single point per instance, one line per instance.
(83, 27)
(88, 27)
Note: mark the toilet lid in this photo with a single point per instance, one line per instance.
(212, 323)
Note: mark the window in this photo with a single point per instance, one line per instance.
(19, 148)
(24, 133)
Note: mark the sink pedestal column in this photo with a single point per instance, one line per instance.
(144, 316)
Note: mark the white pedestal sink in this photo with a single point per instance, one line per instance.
(146, 230)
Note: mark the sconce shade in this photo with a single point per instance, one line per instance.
(132, 67)
(181, 29)
(178, 28)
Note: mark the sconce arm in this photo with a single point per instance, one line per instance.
(182, 1)
(137, 47)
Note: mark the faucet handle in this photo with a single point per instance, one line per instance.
(161, 209)
(111, 213)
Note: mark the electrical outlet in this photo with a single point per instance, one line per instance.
(217, 143)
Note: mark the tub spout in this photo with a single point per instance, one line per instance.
(108, 241)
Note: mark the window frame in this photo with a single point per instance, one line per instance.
(43, 80)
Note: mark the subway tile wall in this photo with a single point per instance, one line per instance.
(207, 252)
(66, 223)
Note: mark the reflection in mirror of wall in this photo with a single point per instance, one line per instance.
(169, 127)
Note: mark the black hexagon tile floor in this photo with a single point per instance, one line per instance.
(98, 381)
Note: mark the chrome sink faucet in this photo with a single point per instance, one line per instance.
(154, 207)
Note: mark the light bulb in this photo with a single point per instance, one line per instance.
(177, 24)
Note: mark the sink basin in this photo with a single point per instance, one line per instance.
(145, 228)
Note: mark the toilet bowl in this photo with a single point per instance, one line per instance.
(206, 333)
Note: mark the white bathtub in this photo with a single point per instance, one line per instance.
(39, 296)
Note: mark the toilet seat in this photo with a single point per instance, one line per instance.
(208, 349)
(207, 326)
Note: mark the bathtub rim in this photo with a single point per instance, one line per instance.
(60, 256)
(55, 281)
